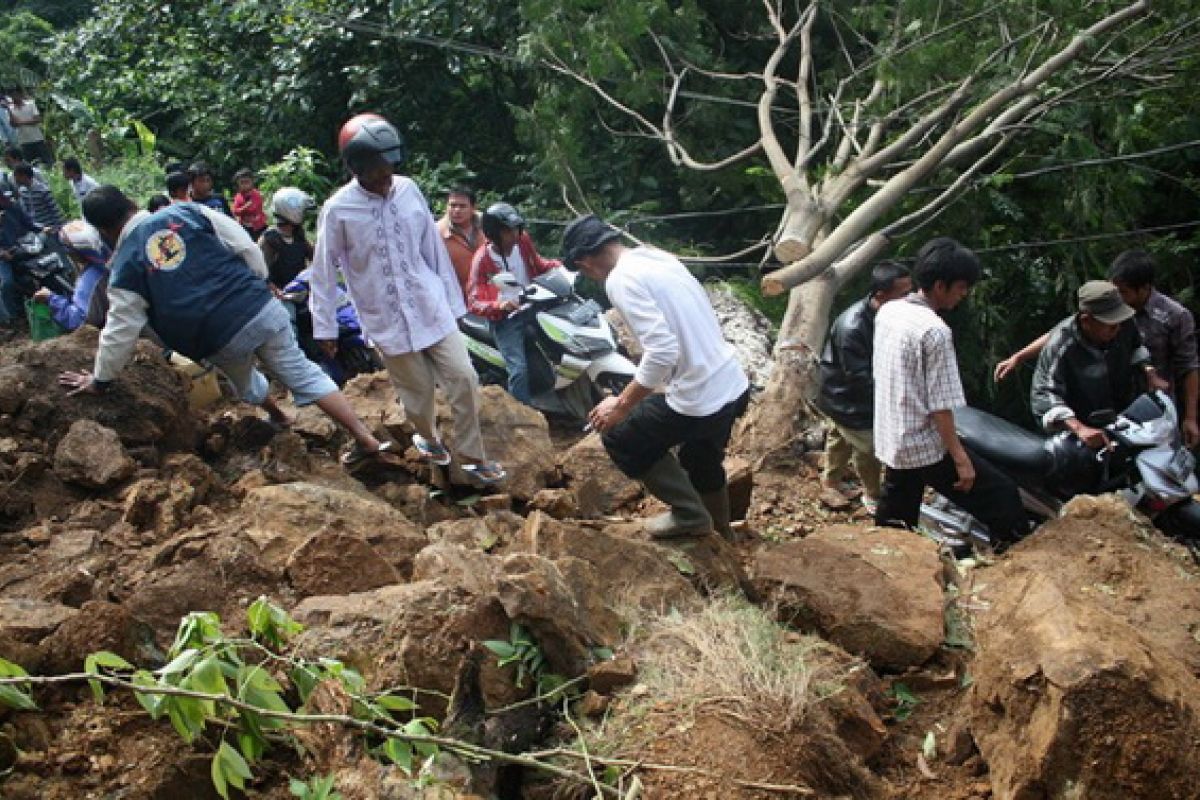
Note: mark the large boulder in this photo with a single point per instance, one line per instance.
(1085, 680)
(587, 463)
(876, 592)
(99, 625)
(374, 400)
(92, 456)
(411, 634)
(146, 405)
(282, 518)
(630, 572)
(515, 435)
(30, 621)
(337, 562)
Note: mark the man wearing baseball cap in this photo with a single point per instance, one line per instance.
(1093, 360)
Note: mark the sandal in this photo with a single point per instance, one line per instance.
(433, 452)
(358, 454)
(486, 471)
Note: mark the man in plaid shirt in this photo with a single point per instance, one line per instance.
(917, 388)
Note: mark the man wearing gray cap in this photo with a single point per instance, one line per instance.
(1093, 360)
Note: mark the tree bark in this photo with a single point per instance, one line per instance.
(785, 406)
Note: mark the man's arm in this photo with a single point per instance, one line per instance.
(943, 423)
(322, 281)
(435, 254)
(1048, 399)
(659, 344)
(1009, 365)
(126, 318)
(1185, 363)
(237, 241)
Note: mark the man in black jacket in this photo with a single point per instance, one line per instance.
(847, 394)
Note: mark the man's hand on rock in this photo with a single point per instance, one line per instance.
(78, 383)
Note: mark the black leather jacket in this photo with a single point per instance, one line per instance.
(847, 393)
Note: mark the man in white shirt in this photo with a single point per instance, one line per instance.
(81, 183)
(917, 388)
(686, 355)
(379, 231)
(26, 120)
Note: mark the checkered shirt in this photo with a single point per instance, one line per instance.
(915, 373)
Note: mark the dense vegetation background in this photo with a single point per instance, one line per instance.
(129, 85)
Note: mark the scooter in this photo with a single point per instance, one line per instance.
(572, 353)
(1146, 464)
(39, 261)
(354, 355)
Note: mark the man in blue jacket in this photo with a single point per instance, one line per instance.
(198, 279)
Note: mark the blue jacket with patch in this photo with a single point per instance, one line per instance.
(198, 293)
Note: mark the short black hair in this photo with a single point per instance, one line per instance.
(23, 170)
(178, 182)
(244, 172)
(1133, 268)
(106, 206)
(72, 163)
(885, 275)
(175, 166)
(465, 191)
(157, 201)
(199, 168)
(944, 259)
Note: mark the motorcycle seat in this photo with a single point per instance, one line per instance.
(476, 327)
(1002, 443)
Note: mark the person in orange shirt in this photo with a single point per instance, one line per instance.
(461, 232)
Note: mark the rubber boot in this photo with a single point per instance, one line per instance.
(667, 481)
(717, 505)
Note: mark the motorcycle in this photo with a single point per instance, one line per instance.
(39, 261)
(354, 355)
(1146, 464)
(572, 353)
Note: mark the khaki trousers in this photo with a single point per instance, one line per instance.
(415, 376)
(843, 445)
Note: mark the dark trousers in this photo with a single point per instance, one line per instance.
(653, 428)
(993, 499)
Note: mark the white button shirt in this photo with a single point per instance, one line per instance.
(396, 268)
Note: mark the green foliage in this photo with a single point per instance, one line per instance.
(12, 695)
(203, 660)
(527, 655)
(746, 290)
(301, 167)
(317, 788)
(24, 38)
(906, 702)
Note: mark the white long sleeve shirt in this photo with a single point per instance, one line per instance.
(127, 311)
(672, 318)
(396, 268)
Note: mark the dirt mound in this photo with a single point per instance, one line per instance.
(1085, 679)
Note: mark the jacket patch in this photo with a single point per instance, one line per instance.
(165, 250)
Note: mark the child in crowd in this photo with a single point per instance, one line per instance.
(284, 246)
(179, 186)
(248, 204)
(202, 189)
(156, 202)
(81, 183)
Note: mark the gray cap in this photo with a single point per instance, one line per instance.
(1102, 300)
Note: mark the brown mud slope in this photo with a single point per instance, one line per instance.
(1085, 677)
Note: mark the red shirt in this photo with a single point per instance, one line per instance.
(248, 210)
(483, 297)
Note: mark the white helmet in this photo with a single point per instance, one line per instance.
(83, 241)
(290, 204)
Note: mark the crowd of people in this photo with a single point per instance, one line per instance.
(206, 276)
(890, 382)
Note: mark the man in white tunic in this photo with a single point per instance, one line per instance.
(378, 229)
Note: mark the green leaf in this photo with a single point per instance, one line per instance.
(217, 772)
(153, 703)
(393, 703)
(92, 665)
(13, 697)
(400, 753)
(180, 663)
(502, 649)
(207, 677)
(237, 771)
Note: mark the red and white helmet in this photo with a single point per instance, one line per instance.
(83, 242)
(368, 135)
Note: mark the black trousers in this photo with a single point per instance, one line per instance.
(993, 499)
(653, 428)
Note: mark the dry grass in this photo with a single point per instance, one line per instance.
(732, 656)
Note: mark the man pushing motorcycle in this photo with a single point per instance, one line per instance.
(1094, 361)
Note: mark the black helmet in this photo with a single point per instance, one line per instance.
(584, 236)
(368, 135)
(498, 217)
